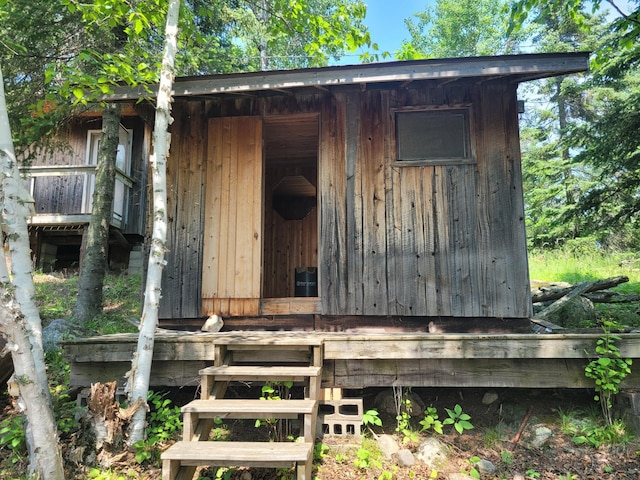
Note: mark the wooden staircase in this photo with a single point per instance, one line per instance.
(251, 358)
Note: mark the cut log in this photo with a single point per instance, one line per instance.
(544, 295)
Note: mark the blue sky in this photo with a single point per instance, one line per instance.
(385, 19)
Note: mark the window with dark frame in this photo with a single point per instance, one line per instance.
(433, 136)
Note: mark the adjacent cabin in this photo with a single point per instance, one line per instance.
(384, 196)
(62, 180)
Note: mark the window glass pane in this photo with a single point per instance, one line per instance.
(432, 135)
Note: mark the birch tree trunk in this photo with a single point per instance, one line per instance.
(138, 376)
(19, 317)
(93, 268)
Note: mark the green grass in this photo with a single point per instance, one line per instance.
(582, 262)
(56, 296)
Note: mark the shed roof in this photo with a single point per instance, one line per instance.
(519, 68)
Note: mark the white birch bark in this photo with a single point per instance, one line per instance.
(138, 376)
(19, 318)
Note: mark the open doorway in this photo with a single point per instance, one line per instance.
(290, 257)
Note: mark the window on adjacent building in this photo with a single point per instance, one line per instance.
(433, 136)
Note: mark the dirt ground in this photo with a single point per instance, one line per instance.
(492, 439)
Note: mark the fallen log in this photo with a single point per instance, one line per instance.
(607, 296)
(544, 295)
(557, 305)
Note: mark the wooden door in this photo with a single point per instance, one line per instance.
(232, 253)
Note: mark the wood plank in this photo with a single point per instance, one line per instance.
(257, 372)
(243, 408)
(213, 212)
(233, 226)
(353, 252)
(163, 374)
(371, 150)
(249, 454)
(461, 373)
(333, 280)
(292, 305)
(519, 66)
(191, 347)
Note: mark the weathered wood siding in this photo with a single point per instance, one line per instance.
(182, 276)
(433, 240)
(63, 194)
(429, 241)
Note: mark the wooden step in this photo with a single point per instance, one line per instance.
(225, 408)
(287, 347)
(268, 339)
(194, 428)
(238, 454)
(281, 373)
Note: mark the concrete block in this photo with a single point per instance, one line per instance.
(342, 418)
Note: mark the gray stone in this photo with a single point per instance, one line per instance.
(433, 453)
(541, 435)
(388, 446)
(57, 331)
(485, 467)
(576, 313)
(489, 397)
(405, 458)
(385, 402)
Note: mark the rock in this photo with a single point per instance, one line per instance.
(578, 312)
(405, 458)
(385, 402)
(57, 331)
(388, 446)
(541, 435)
(489, 397)
(485, 467)
(433, 453)
(213, 324)
(518, 476)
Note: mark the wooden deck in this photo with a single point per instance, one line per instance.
(368, 359)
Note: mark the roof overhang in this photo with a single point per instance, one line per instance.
(517, 68)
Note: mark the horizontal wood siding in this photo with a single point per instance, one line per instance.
(232, 257)
(63, 194)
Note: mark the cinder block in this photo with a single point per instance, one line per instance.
(629, 400)
(342, 418)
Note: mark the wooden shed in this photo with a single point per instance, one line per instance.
(378, 196)
(61, 181)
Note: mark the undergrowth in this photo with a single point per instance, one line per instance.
(580, 261)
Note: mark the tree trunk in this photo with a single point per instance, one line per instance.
(93, 267)
(19, 317)
(138, 376)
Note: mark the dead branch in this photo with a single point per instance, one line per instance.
(545, 294)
